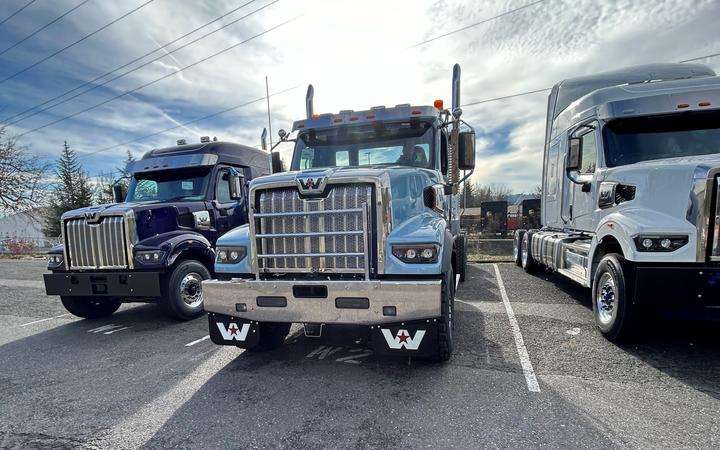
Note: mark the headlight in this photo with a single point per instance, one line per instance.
(55, 261)
(149, 256)
(416, 254)
(230, 255)
(659, 243)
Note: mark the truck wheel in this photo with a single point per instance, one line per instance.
(461, 253)
(527, 261)
(182, 294)
(447, 311)
(612, 299)
(91, 307)
(272, 336)
(517, 247)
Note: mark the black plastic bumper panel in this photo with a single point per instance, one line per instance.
(110, 284)
(682, 286)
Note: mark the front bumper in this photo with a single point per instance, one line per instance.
(690, 285)
(104, 284)
(341, 302)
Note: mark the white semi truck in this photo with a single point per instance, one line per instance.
(630, 184)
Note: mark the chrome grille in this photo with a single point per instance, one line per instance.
(96, 245)
(330, 234)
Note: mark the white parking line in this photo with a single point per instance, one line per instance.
(44, 320)
(527, 367)
(204, 338)
(117, 329)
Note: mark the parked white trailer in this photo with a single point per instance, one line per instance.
(630, 191)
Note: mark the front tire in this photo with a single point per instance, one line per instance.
(447, 320)
(182, 297)
(462, 257)
(613, 299)
(517, 247)
(91, 307)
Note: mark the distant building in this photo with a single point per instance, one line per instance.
(24, 227)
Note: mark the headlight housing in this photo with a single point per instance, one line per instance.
(149, 257)
(416, 253)
(230, 255)
(55, 260)
(656, 243)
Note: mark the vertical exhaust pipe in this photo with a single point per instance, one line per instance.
(309, 101)
(455, 133)
(263, 139)
(455, 88)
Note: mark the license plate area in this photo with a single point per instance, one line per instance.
(310, 291)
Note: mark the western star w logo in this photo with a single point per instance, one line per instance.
(403, 339)
(311, 185)
(232, 332)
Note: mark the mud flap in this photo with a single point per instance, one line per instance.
(228, 330)
(413, 338)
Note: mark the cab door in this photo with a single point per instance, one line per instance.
(584, 193)
(228, 212)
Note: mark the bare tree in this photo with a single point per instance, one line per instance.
(21, 177)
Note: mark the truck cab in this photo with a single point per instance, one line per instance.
(629, 191)
(156, 242)
(363, 233)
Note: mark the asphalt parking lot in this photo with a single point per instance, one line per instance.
(529, 370)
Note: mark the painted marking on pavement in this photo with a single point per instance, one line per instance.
(44, 320)
(527, 367)
(117, 329)
(13, 283)
(104, 328)
(204, 338)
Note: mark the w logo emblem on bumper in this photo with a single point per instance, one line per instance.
(403, 339)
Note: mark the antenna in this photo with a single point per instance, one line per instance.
(309, 101)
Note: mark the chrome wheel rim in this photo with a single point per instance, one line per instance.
(191, 289)
(606, 300)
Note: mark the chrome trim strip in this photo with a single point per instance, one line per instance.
(308, 213)
(324, 233)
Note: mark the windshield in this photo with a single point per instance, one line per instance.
(636, 139)
(401, 143)
(169, 185)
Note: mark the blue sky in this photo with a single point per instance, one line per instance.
(355, 53)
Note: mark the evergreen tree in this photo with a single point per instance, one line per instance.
(72, 190)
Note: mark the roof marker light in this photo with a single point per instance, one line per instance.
(337, 120)
(416, 112)
(683, 105)
(353, 118)
(370, 116)
(316, 116)
(704, 104)
(438, 104)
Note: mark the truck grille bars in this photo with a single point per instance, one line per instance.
(96, 245)
(327, 235)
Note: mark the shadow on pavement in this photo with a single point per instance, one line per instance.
(67, 385)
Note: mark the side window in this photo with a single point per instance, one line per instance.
(589, 152)
(342, 158)
(222, 190)
(443, 153)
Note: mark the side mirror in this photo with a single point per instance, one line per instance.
(574, 158)
(282, 133)
(277, 164)
(234, 186)
(118, 191)
(466, 152)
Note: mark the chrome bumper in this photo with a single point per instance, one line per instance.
(412, 300)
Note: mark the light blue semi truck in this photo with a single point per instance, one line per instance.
(362, 233)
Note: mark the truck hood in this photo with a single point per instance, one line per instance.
(665, 185)
(403, 184)
(152, 218)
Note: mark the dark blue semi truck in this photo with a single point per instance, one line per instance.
(156, 244)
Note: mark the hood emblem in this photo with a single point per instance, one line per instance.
(92, 216)
(311, 184)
